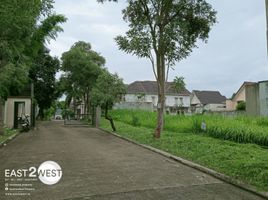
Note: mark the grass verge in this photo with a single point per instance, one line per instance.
(246, 162)
(242, 129)
(7, 134)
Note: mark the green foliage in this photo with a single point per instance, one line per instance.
(241, 106)
(7, 134)
(47, 114)
(24, 28)
(68, 114)
(81, 66)
(239, 129)
(247, 162)
(179, 83)
(43, 76)
(170, 28)
(109, 89)
(13, 77)
(135, 121)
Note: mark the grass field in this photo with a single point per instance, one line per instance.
(246, 162)
(240, 129)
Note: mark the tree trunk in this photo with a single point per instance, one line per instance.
(41, 114)
(109, 118)
(161, 95)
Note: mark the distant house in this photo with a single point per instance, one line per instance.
(143, 95)
(239, 96)
(207, 101)
(255, 95)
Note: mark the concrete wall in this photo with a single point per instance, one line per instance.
(9, 110)
(2, 111)
(263, 98)
(252, 100)
(135, 105)
(215, 107)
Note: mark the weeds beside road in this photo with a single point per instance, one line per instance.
(246, 162)
(240, 129)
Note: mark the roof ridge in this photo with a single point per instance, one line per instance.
(142, 87)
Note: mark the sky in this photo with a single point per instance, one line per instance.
(235, 52)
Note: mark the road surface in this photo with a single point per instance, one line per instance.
(100, 166)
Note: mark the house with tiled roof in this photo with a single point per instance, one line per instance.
(144, 95)
(202, 101)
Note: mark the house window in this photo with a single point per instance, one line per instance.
(266, 88)
(266, 102)
(176, 101)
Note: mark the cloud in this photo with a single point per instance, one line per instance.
(235, 52)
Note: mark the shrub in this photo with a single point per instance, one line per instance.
(241, 106)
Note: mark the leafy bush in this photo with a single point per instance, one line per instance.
(241, 106)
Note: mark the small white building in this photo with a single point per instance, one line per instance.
(143, 95)
(16, 107)
(207, 101)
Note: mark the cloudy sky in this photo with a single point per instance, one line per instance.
(235, 52)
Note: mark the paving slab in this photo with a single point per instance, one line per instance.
(100, 166)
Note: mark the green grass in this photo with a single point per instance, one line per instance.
(246, 162)
(7, 133)
(240, 129)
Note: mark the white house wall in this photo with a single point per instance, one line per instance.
(170, 100)
(195, 100)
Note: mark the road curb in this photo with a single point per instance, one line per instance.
(201, 168)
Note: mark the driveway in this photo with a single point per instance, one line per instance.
(100, 166)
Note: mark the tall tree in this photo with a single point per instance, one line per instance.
(108, 90)
(82, 67)
(165, 31)
(24, 28)
(43, 76)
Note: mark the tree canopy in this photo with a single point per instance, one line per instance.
(179, 83)
(108, 90)
(24, 28)
(43, 76)
(82, 67)
(165, 31)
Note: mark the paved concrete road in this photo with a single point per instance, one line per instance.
(99, 166)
